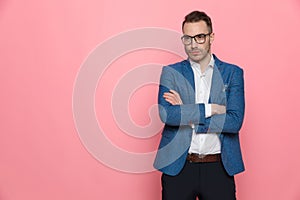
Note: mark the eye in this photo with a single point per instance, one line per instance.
(200, 36)
(186, 37)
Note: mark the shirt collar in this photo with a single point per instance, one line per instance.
(197, 65)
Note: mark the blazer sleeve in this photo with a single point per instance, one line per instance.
(177, 115)
(231, 122)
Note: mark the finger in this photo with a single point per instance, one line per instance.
(168, 94)
(171, 99)
(174, 92)
(177, 96)
(171, 95)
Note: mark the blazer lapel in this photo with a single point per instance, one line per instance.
(217, 90)
(188, 74)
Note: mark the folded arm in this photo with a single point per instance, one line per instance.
(232, 120)
(223, 119)
(177, 114)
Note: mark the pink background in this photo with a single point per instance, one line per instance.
(43, 44)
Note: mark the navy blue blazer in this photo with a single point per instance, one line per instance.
(227, 89)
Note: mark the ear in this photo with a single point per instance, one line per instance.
(212, 37)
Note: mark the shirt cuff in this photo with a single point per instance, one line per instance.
(207, 110)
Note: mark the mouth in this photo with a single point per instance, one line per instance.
(195, 52)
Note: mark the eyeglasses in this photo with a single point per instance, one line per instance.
(200, 38)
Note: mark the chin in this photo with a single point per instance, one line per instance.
(196, 58)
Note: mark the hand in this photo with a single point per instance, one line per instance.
(217, 109)
(173, 97)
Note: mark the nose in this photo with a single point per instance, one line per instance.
(194, 43)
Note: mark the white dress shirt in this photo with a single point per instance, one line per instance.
(206, 143)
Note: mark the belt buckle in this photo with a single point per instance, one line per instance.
(201, 156)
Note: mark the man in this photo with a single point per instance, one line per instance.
(201, 101)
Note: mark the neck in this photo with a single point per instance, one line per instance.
(204, 62)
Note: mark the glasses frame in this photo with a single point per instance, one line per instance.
(194, 37)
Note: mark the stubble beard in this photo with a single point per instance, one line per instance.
(203, 54)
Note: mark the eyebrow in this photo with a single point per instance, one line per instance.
(197, 34)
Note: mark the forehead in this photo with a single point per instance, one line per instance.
(195, 28)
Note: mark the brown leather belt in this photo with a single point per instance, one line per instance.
(198, 158)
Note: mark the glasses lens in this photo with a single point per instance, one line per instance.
(186, 39)
(200, 38)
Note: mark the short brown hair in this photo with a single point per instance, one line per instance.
(197, 16)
